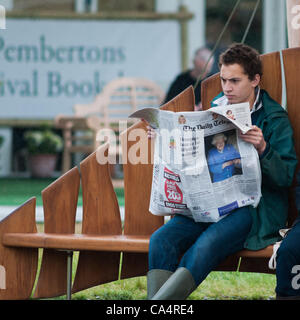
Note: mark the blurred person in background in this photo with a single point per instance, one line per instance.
(189, 77)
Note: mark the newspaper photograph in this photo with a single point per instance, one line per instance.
(202, 168)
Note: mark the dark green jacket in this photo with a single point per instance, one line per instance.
(278, 164)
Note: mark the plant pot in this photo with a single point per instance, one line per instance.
(42, 165)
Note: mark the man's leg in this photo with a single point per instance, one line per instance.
(166, 247)
(171, 241)
(212, 246)
(217, 242)
(288, 265)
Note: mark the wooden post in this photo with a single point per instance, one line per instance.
(293, 22)
(184, 39)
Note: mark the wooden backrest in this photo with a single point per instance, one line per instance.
(125, 95)
(115, 103)
(138, 176)
(272, 82)
(15, 284)
(272, 79)
(101, 214)
(121, 97)
(291, 58)
(60, 203)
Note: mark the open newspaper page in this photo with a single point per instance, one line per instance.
(202, 168)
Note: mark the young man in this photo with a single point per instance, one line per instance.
(183, 252)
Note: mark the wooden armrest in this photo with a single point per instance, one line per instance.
(77, 242)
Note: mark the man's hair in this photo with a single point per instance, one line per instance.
(245, 56)
(203, 52)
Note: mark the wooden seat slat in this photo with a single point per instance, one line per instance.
(263, 253)
(77, 242)
(124, 243)
(59, 204)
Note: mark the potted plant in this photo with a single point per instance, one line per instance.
(42, 147)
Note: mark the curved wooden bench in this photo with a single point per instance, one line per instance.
(103, 238)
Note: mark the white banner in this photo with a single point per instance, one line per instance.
(49, 65)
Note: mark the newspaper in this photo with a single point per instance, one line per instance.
(202, 168)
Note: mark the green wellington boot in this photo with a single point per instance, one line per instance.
(155, 279)
(178, 287)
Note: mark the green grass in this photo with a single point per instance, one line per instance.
(217, 286)
(15, 191)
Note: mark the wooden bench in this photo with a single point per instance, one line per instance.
(77, 137)
(119, 98)
(103, 238)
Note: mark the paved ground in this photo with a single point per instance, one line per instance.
(6, 210)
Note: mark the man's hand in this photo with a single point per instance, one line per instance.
(256, 137)
(198, 107)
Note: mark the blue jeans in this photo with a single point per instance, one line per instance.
(288, 257)
(198, 246)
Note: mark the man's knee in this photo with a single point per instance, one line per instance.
(159, 241)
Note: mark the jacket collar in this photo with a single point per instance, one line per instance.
(222, 100)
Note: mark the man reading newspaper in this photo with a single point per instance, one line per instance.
(183, 251)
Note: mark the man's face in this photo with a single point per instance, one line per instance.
(200, 61)
(199, 64)
(236, 85)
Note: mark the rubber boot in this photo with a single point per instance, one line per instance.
(178, 287)
(155, 279)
